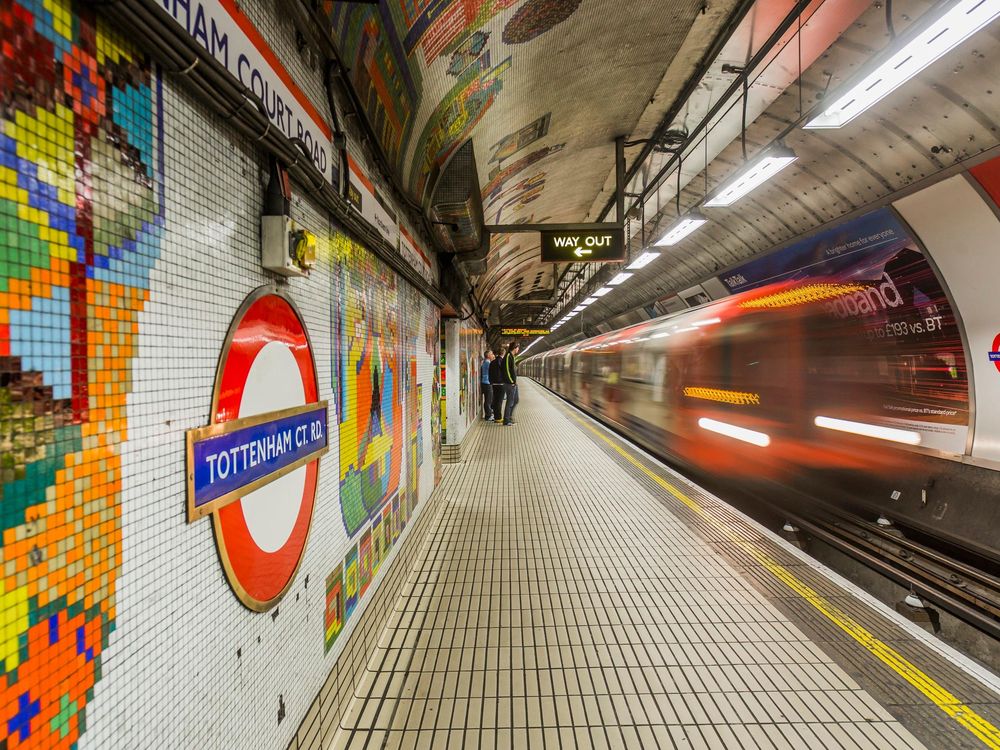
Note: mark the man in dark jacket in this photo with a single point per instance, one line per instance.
(508, 371)
(496, 380)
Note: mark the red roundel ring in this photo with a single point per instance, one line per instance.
(995, 350)
(267, 355)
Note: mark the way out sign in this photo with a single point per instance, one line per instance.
(582, 246)
(254, 467)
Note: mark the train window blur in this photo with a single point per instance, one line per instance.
(659, 377)
(738, 358)
(607, 362)
(637, 366)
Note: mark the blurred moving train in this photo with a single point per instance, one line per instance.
(792, 386)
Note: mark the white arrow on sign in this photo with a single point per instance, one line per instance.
(580, 252)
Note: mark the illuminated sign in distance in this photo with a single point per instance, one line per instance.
(583, 246)
(525, 331)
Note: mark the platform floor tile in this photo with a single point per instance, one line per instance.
(559, 603)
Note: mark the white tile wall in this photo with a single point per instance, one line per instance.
(188, 665)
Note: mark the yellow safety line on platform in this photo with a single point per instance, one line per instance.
(941, 698)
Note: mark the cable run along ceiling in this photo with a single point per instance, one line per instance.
(540, 88)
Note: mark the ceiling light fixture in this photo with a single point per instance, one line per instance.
(589, 301)
(602, 291)
(643, 260)
(752, 176)
(681, 229)
(525, 351)
(620, 279)
(953, 27)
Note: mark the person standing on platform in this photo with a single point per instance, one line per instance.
(508, 369)
(496, 381)
(485, 388)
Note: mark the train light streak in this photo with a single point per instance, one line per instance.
(707, 322)
(739, 433)
(869, 430)
(802, 295)
(740, 398)
(953, 27)
(752, 177)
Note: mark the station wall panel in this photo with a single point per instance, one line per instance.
(961, 233)
(129, 237)
(464, 347)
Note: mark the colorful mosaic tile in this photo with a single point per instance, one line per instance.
(80, 225)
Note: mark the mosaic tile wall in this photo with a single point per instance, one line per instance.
(81, 219)
(383, 367)
(129, 236)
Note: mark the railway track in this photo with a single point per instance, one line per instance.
(965, 591)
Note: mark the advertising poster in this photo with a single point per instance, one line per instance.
(902, 311)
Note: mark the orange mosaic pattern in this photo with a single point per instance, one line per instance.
(80, 222)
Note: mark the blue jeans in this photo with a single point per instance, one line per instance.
(512, 399)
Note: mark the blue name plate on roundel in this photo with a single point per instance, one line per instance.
(231, 459)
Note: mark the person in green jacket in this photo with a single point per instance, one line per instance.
(508, 371)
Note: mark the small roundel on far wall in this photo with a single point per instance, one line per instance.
(536, 17)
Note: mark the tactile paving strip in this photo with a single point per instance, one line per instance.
(563, 602)
(916, 711)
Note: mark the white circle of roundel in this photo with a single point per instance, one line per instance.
(274, 382)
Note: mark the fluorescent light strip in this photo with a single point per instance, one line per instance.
(620, 279)
(643, 260)
(680, 230)
(961, 21)
(739, 433)
(602, 291)
(751, 178)
(525, 350)
(869, 430)
(589, 301)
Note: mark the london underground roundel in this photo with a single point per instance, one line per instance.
(254, 468)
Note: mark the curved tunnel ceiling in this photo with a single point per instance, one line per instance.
(948, 114)
(540, 87)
